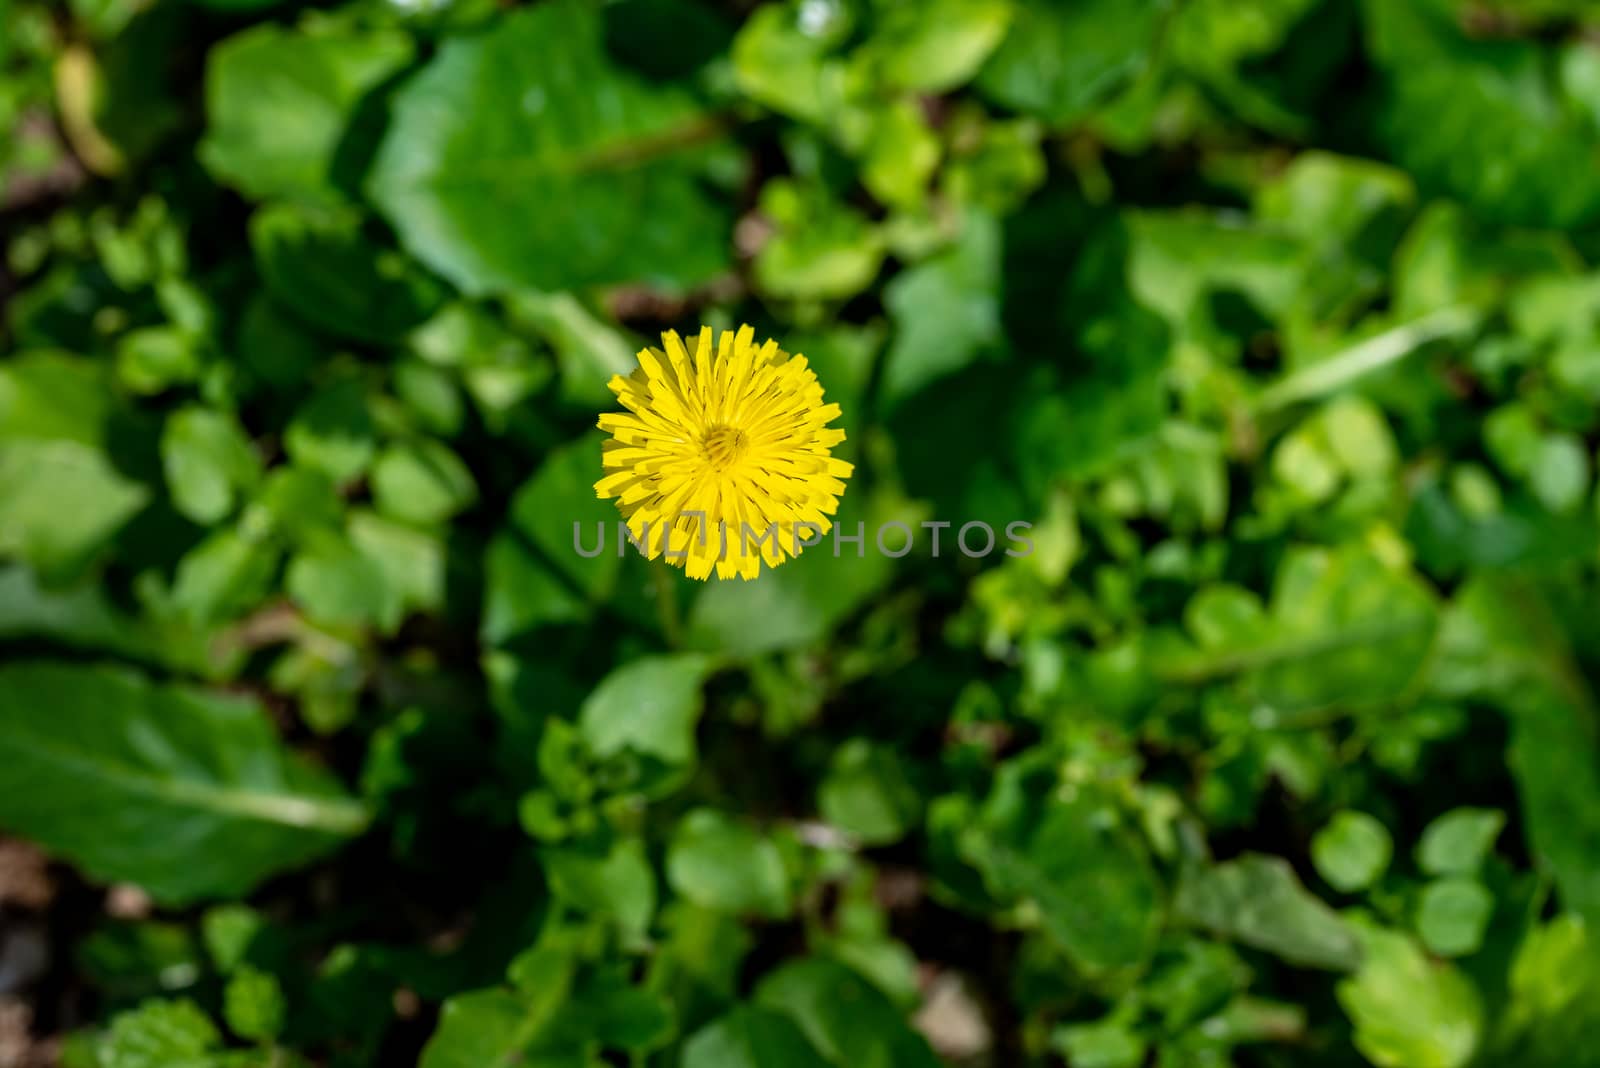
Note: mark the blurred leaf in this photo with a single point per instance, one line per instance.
(946, 312)
(844, 1017)
(650, 705)
(1458, 842)
(937, 45)
(332, 432)
(750, 1037)
(321, 267)
(208, 461)
(421, 481)
(1097, 896)
(1352, 851)
(619, 884)
(1483, 120)
(186, 793)
(1408, 1011)
(1257, 900)
(162, 1034)
(823, 249)
(62, 499)
(482, 142)
(280, 100)
(867, 794)
(1452, 915)
(720, 863)
(1060, 58)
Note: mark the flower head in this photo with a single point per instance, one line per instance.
(722, 459)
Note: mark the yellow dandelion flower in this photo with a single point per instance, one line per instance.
(722, 459)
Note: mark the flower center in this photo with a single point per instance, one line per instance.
(723, 445)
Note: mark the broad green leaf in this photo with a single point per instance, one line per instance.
(847, 1019)
(421, 481)
(1458, 842)
(162, 1034)
(187, 793)
(620, 884)
(332, 432)
(1352, 851)
(208, 461)
(782, 58)
(557, 512)
(253, 1004)
(320, 265)
(1089, 878)
(1346, 627)
(224, 576)
(1503, 641)
(1060, 58)
(279, 102)
(1409, 1011)
(723, 864)
(1258, 901)
(937, 45)
(62, 498)
(946, 312)
(823, 249)
(750, 1037)
(1452, 915)
(1483, 119)
(83, 617)
(866, 793)
(650, 705)
(337, 585)
(501, 127)
(1555, 998)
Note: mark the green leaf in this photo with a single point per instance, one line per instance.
(1453, 914)
(208, 461)
(846, 1018)
(1352, 851)
(279, 101)
(1483, 119)
(946, 312)
(491, 135)
(750, 1037)
(421, 481)
(1345, 627)
(620, 884)
(937, 45)
(185, 792)
(1458, 842)
(62, 498)
(1555, 998)
(320, 265)
(823, 249)
(1503, 641)
(1408, 1011)
(723, 864)
(162, 1034)
(556, 510)
(867, 794)
(782, 58)
(224, 576)
(1061, 58)
(338, 585)
(650, 705)
(332, 432)
(1096, 893)
(253, 1005)
(1257, 900)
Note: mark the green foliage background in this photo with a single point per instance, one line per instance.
(1278, 319)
